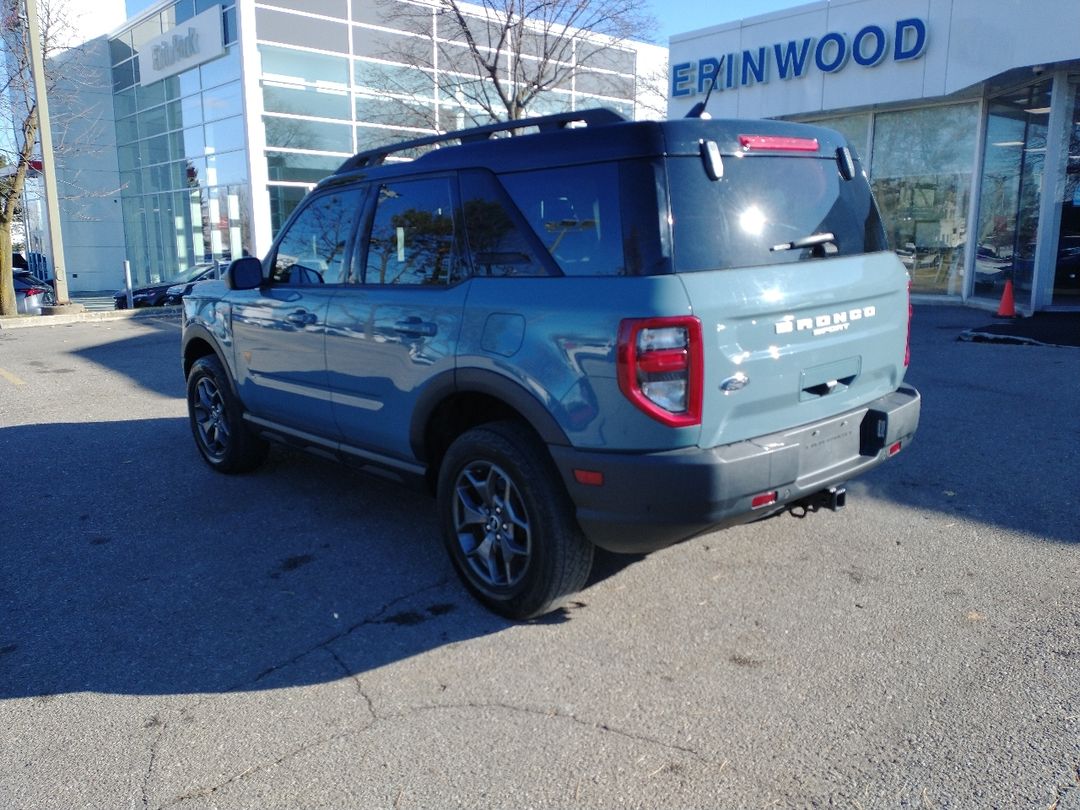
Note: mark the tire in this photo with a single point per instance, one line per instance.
(224, 440)
(508, 523)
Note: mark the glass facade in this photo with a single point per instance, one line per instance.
(335, 77)
(181, 147)
(921, 174)
(920, 164)
(364, 74)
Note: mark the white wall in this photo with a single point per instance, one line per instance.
(968, 41)
(84, 138)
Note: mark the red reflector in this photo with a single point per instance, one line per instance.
(664, 360)
(764, 499)
(894, 449)
(592, 478)
(778, 142)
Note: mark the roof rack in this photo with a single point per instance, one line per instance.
(546, 123)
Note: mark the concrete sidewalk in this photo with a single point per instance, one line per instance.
(27, 321)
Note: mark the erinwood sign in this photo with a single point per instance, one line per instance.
(831, 53)
(190, 43)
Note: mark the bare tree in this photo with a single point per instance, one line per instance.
(497, 57)
(18, 108)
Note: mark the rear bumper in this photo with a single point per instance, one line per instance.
(651, 500)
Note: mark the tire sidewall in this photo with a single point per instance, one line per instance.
(232, 459)
(518, 460)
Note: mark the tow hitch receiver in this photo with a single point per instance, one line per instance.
(833, 499)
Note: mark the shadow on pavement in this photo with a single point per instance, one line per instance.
(131, 568)
(997, 440)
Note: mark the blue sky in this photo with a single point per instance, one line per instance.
(680, 16)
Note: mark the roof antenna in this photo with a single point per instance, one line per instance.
(698, 110)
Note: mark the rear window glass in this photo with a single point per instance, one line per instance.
(763, 203)
(574, 211)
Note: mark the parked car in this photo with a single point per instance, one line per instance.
(621, 334)
(175, 294)
(31, 292)
(167, 292)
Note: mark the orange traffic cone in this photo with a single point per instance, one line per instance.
(1007, 307)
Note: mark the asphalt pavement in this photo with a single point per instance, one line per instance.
(170, 637)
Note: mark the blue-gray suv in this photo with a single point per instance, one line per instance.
(594, 333)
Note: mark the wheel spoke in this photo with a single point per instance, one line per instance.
(491, 524)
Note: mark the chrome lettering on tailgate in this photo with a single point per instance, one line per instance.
(824, 324)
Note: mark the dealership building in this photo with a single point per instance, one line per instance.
(215, 118)
(966, 114)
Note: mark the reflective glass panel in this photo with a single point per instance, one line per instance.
(297, 133)
(312, 250)
(300, 168)
(412, 236)
(1067, 264)
(225, 135)
(299, 100)
(575, 212)
(1013, 166)
(222, 102)
(921, 176)
(301, 66)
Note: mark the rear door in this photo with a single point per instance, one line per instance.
(396, 330)
(804, 311)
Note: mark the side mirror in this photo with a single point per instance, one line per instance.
(244, 274)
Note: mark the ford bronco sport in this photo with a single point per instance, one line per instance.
(598, 332)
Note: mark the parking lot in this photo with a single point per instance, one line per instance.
(170, 637)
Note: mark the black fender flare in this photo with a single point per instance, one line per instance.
(196, 331)
(490, 383)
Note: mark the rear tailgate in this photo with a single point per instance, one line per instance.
(792, 344)
(784, 259)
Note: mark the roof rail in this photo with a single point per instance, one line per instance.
(546, 123)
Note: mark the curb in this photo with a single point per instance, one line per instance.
(27, 321)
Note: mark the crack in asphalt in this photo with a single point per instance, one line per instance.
(375, 618)
(378, 720)
(200, 793)
(604, 727)
(355, 679)
(150, 765)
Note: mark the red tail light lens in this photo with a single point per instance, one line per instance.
(34, 291)
(661, 368)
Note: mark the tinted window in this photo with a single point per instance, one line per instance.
(575, 213)
(764, 202)
(496, 242)
(312, 251)
(412, 235)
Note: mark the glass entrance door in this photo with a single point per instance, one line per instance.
(1067, 271)
(1013, 169)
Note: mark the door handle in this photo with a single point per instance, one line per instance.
(301, 317)
(414, 327)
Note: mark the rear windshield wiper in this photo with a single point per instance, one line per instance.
(826, 241)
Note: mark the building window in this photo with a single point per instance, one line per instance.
(1013, 166)
(921, 176)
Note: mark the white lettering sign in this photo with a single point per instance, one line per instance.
(191, 43)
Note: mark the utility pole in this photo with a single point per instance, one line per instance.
(48, 163)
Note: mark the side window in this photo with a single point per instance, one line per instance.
(575, 212)
(496, 242)
(412, 234)
(312, 250)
